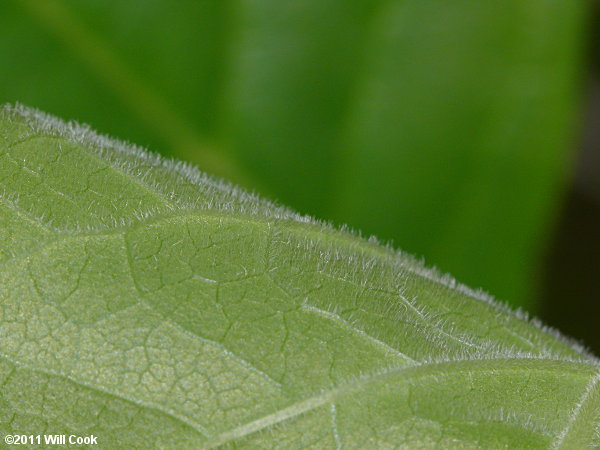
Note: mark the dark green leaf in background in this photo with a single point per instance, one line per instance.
(442, 125)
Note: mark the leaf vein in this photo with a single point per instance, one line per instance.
(195, 427)
(492, 365)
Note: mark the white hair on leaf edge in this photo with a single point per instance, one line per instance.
(226, 197)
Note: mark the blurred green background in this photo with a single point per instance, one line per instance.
(452, 129)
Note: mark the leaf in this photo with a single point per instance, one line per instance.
(441, 125)
(465, 113)
(152, 305)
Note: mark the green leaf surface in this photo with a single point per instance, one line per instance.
(441, 125)
(153, 306)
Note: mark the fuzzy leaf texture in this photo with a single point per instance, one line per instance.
(153, 306)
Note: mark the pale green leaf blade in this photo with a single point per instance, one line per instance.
(153, 306)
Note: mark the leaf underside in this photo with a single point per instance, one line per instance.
(154, 306)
